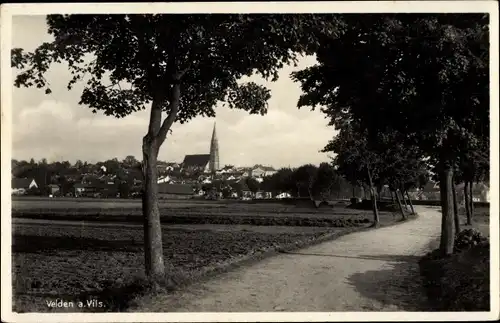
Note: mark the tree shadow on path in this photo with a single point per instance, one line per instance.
(398, 287)
(392, 258)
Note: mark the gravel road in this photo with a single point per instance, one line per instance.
(375, 270)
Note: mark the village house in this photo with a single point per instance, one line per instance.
(283, 195)
(193, 163)
(245, 191)
(164, 179)
(89, 189)
(20, 186)
(262, 171)
(263, 195)
(228, 169)
(246, 173)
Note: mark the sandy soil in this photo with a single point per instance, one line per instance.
(374, 270)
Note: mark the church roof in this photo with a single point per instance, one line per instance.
(196, 160)
(21, 182)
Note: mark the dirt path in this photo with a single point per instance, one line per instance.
(374, 270)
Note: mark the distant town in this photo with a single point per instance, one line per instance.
(199, 175)
(114, 178)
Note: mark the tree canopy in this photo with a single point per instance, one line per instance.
(422, 79)
(424, 75)
(126, 61)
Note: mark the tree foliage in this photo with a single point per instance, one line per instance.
(304, 178)
(126, 61)
(253, 184)
(425, 76)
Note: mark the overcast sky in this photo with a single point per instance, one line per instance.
(55, 127)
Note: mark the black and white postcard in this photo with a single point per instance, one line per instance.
(250, 161)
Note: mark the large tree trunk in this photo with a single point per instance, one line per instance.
(411, 204)
(455, 209)
(471, 195)
(157, 133)
(467, 203)
(153, 248)
(376, 219)
(447, 223)
(400, 205)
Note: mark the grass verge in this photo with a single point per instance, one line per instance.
(461, 281)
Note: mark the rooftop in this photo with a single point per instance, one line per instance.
(21, 182)
(196, 160)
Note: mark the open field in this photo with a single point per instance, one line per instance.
(59, 261)
(192, 212)
(74, 259)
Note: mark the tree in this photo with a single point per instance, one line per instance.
(304, 177)
(473, 166)
(182, 65)
(326, 179)
(226, 191)
(130, 161)
(112, 166)
(279, 182)
(356, 161)
(253, 184)
(424, 75)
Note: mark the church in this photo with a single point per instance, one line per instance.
(207, 163)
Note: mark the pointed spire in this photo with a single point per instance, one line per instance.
(214, 151)
(214, 135)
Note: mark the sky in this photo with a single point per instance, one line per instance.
(55, 127)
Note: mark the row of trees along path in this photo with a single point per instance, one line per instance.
(414, 87)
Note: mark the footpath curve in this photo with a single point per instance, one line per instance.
(374, 270)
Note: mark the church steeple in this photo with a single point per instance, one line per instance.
(214, 152)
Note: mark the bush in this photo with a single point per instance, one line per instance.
(467, 239)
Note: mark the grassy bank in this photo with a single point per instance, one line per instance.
(461, 282)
